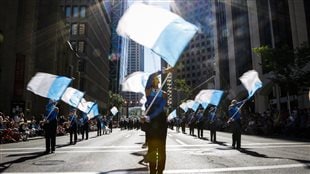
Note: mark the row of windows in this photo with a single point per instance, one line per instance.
(78, 46)
(75, 11)
(78, 29)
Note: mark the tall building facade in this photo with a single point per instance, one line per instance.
(242, 25)
(35, 40)
(131, 60)
(116, 40)
(196, 64)
(90, 37)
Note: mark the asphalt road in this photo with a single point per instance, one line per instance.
(120, 152)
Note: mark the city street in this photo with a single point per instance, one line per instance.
(120, 152)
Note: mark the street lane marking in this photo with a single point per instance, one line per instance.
(211, 170)
(231, 169)
(180, 142)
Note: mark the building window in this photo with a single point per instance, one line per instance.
(68, 11)
(81, 65)
(82, 29)
(75, 11)
(81, 47)
(73, 44)
(74, 29)
(82, 11)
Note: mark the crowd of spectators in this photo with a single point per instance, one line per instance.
(18, 128)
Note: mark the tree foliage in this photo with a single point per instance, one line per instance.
(182, 87)
(290, 68)
(116, 99)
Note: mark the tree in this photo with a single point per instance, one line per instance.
(181, 87)
(289, 67)
(116, 99)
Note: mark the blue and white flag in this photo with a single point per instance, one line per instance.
(72, 96)
(251, 82)
(135, 82)
(192, 104)
(93, 112)
(172, 115)
(165, 33)
(85, 106)
(210, 96)
(184, 106)
(48, 85)
(204, 105)
(114, 110)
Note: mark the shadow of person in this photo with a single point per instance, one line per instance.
(23, 157)
(133, 170)
(252, 153)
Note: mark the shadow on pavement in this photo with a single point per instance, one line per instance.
(256, 154)
(25, 157)
(133, 170)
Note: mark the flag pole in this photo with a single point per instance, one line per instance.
(238, 109)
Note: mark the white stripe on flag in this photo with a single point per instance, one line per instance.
(85, 106)
(114, 110)
(72, 96)
(210, 96)
(135, 82)
(166, 33)
(172, 115)
(251, 82)
(184, 106)
(48, 85)
(93, 112)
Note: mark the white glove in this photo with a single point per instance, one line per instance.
(147, 118)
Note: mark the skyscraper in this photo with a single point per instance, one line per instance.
(90, 37)
(196, 63)
(242, 25)
(132, 60)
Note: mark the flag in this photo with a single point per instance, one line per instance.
(172, 115)
(204, 105)
(165, 33)
(72, 96)
(114, 110)
(251, 82)
(192, 104)
(184, 106)
(85, 106)
(135, 82)
(210, 96)
(94, 111)
(48, 85)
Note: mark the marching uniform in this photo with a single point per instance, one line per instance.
(50, 127)
(235, 119)
(73, 127)
(212, 119)
(85, 126)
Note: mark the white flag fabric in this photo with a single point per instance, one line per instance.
(48, 85)
(210, 96)
(165, 33)
(72, 96)
(184, 106)
(135, 82)
(85, 106)
(172, 115)
(93, 112)
(192, 104)
(251, 82)
(114, 110)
